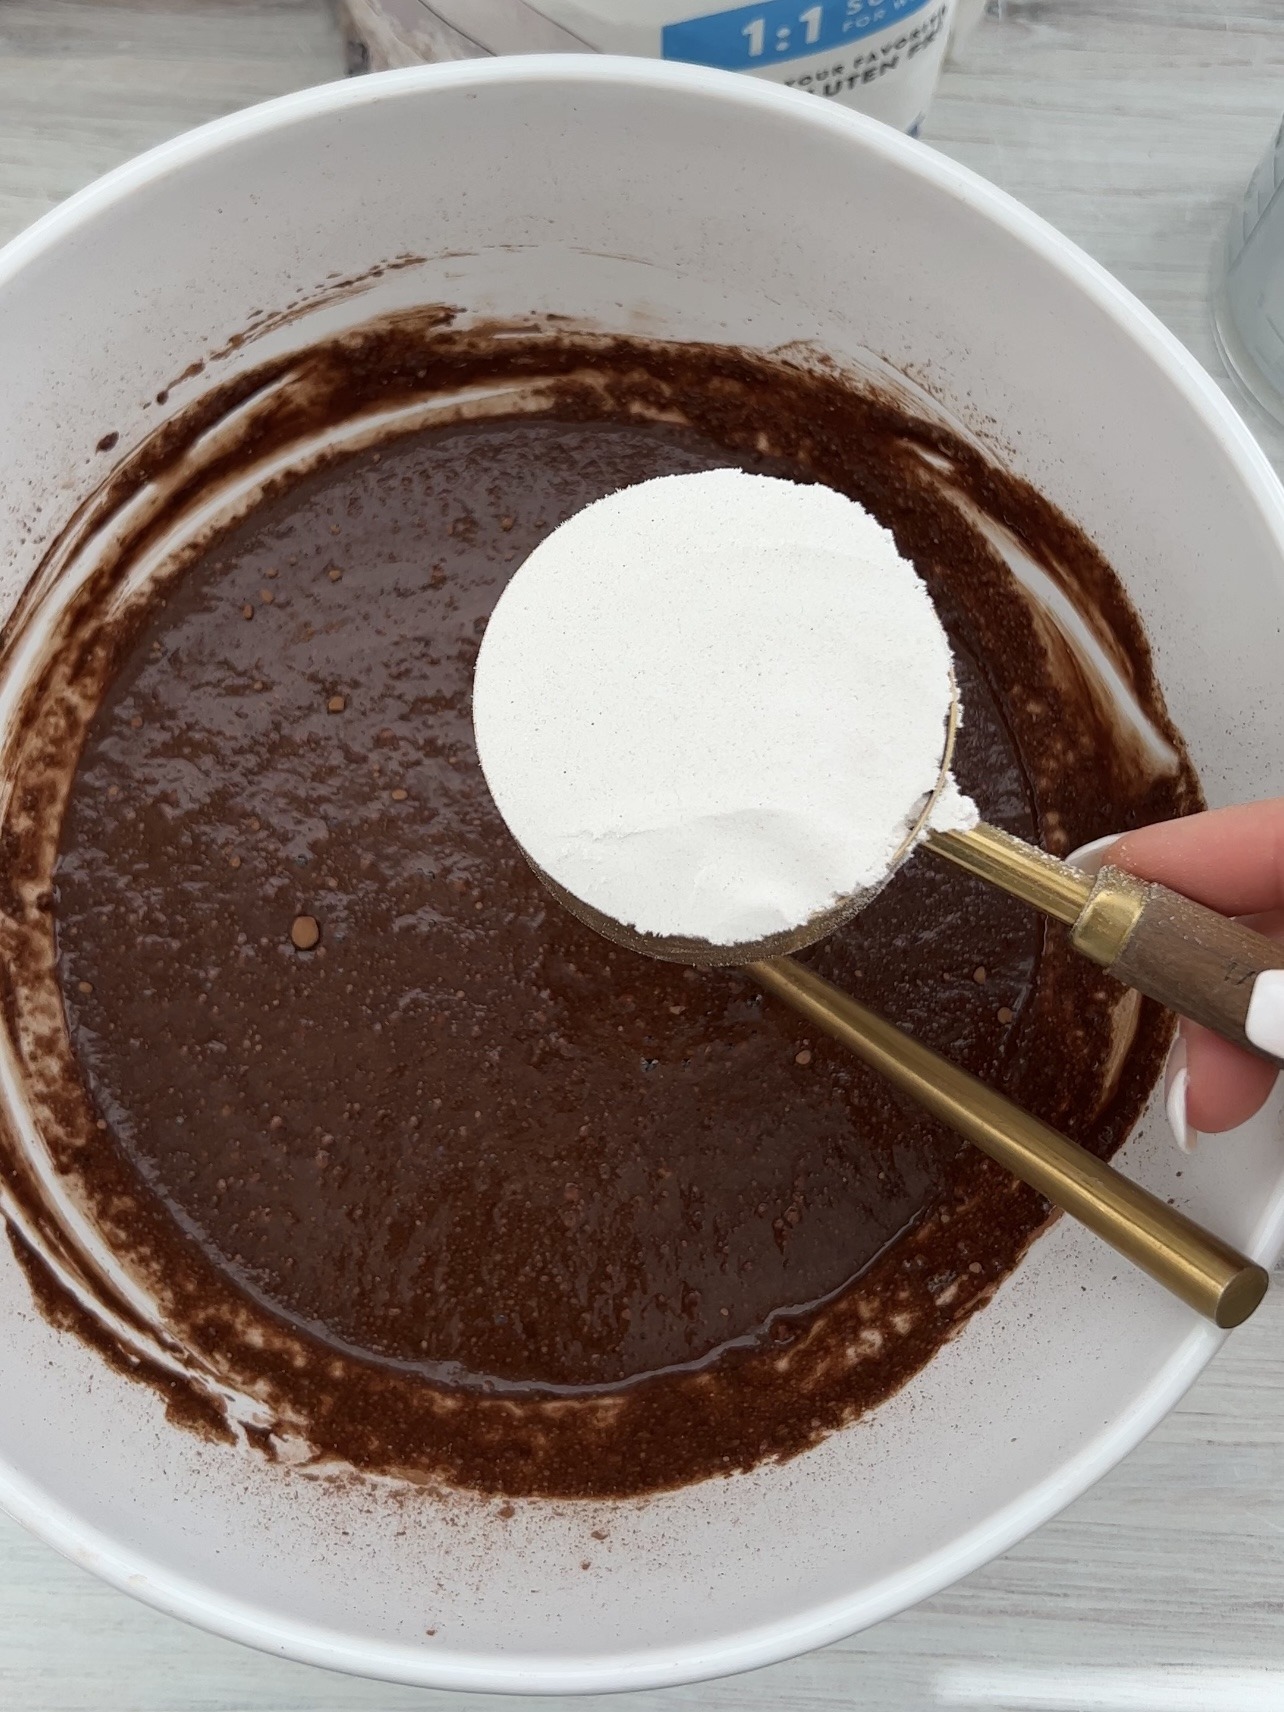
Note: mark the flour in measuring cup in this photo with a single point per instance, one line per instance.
(715, 705)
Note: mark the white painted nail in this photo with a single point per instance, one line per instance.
(1176, 1093)
(1264, 1024)
(1088, 856)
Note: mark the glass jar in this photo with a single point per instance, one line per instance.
(1248, 294)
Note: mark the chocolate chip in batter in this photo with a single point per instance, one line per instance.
(305, 932)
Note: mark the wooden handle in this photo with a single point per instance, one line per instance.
(1200, 964)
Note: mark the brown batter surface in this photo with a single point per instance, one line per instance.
(463, 1131)
(388, 1101)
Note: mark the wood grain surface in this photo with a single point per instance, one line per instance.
(1191, 959)
(1132, 125)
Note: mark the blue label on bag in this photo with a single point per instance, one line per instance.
(750, 37)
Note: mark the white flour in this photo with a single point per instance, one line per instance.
(712, 705)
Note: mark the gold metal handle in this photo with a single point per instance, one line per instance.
(1195, 1265)
(1023, 869)
(1198, 963)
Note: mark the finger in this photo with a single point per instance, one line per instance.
(1226, 1085)
(1231, 859)
(1269, 922)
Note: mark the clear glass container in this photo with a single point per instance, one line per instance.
(1248, 295)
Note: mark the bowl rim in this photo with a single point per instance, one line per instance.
(767, 1643)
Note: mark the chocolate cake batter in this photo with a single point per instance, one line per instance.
(461, 1188)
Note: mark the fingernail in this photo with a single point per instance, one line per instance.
(1264, 1024)
(1176, 1093)
(1088, 856)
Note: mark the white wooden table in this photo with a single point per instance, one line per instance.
(1130, 124)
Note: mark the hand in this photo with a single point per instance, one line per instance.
(1231, 859)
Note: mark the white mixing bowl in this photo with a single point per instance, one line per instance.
(650, 198)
